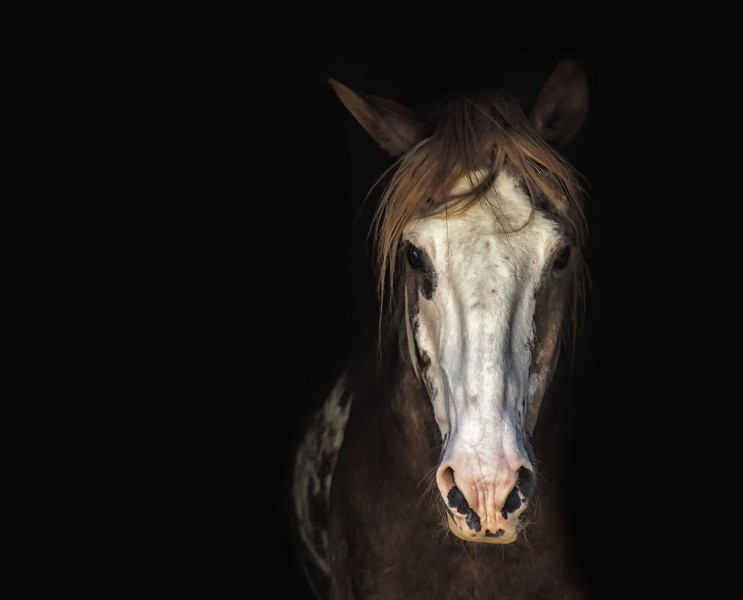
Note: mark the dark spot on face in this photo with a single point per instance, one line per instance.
(526, 482)
(458, 502)
(525, 485)
(422, 269)
(497, 534)
(427, 285)
(473, 521)
(512, 502)
(345, 397)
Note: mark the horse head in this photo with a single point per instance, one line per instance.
(480, 232)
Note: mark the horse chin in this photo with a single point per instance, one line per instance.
(504, 535)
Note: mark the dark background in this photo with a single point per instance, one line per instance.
(180, 260)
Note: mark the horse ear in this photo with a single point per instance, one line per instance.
(396, 128)
(562, 106)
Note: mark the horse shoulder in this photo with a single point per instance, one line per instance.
(314, 464)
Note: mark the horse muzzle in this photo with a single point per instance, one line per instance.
(490, 510)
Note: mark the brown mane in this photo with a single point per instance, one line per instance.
(491, 133)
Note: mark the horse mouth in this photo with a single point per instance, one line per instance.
(494, 527)
(504, 531)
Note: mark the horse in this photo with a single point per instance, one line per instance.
(436, 464)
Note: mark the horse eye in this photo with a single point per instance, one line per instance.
(414, 257)
(561, 260)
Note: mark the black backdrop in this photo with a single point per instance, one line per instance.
(180, 261)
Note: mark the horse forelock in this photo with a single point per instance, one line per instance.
(476, 138)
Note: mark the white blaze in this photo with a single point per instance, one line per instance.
(477, 329)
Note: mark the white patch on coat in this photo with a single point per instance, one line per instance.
(313, 471)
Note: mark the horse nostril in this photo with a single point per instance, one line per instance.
(456, 501)
(521, 492)
(526, 482)
(512, 502)
(457, 504)
(446, 478)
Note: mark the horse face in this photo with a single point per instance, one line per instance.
(485, 291)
